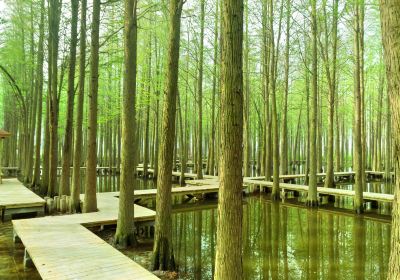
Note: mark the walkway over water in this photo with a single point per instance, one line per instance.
(337, 175)
(15, 198)
(367, 196)
(62, 248)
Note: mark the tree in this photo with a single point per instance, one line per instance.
(124, 235)
(39, 89)
(390, 18)
(54, 99)
(284, 138)
(200, 94)
(331, 77)
(211, 166)
(90, 202)
(312, 187)
(357, 130)
(76, 180)
(274, 112)
(246, 96)
(67, 149)
(163, 255)
(228, 260)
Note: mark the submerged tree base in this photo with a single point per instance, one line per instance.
(312, 203)
(359, 209)
(275, 196)
(163, 256)
(124, 241)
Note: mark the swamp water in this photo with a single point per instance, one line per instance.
(280, 241)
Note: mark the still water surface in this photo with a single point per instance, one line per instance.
(280, 240)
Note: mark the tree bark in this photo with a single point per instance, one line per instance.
(200, 95)
(54, 24)
(331, 77)
(390, 19)
(284, 137)
(246, 98)
(124, 235)
(312, 199)
(90, 202)
(67, 149)
(76, 178)
(228, 260)
(357, 130)
(39, 88)
(163, 255)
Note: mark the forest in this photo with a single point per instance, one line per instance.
(209, 139)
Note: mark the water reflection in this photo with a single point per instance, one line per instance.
(286, 242)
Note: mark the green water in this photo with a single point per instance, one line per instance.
(285, 242)
(280, 240)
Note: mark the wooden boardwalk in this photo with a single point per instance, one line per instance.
(61, 247)
(338, 175)
(368, 196)
(176, 174)
(15, 198)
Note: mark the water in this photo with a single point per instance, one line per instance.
(11, 257)
(280, 240)
(287, 242)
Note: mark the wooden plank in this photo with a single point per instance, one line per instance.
(62, 248)
(327, 191)
(16, 198)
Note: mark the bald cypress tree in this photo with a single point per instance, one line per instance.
(163, 255)
(125, 227)
(228, 260)
(67, 149)
(76, 178)
(312, 192)
(90, 202)
(390, 20)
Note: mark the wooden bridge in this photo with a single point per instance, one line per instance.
(367, 196)
(61, 247)
(348, 175)
(15, 198)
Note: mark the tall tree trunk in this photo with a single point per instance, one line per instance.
(147, 124)
(388, 144)
(266, 85)
(390, 18)
(338, 139)
(211, 168)
(90, 202)
(246, 97)
(39, 89)
(32, 117)
(378, 152)
(357, 130)
(124, 235)
(163, 255)
(44, 184)
(228, 260)
(67, 149)
(200, 95)
(54, 23)
(76, 178)
(312, 199)
(284, 137)
(331, 77)
(182, 155)
(274, 113)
